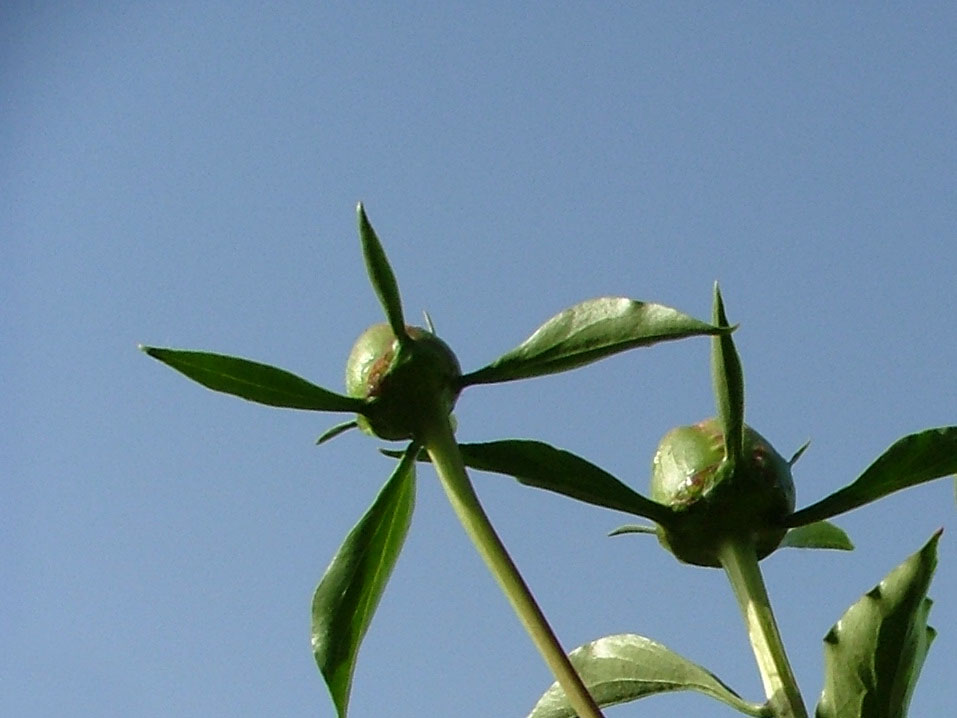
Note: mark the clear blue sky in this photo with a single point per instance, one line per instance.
(185, 174)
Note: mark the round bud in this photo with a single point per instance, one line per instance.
(404, 383)
(714, 502)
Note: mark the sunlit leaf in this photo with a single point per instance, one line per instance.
(587, 332)
(537, 464)
(251, 380)
(381, 275)
(728, 379)
(915, 459)
(820, 534)
(351, 587)
(874, 654)
(623, 668)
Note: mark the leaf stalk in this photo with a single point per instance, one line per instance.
(740, 563)
(439, 442)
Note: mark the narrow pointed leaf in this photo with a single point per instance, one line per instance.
(728, 379)
(351, 587)
(537, 464)
(874, 654)
(626, 667)
(251, 380)
(587, 332)
(633, 529)
(333, 431)
(799, 453)
(430, 325)
(820, 534)
(381, 275)
(915, 459)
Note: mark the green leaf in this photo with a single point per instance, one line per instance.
(874, 654)
(820, 534)
(633, 529)
(587, 332)
(799, 453)
(728, 379)
(626, 667)
(333, 431)
(915, 459)
(350, 589)
(381, 275)
(251, 380)
(537, 464)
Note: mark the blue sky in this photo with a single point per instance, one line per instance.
(185, 174)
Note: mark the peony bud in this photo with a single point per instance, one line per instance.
(714, 502)
(402, 383)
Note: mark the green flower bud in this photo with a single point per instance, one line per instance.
(403, 383)
(714, 502)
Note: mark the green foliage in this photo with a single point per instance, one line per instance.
(587, 332)
(623, 668)
(875, 652)
(912, 460)
(721, 495)
(251, 380)
(351, 587)
(820, 534)
(728, 379)
(537, 464)
(381, 275)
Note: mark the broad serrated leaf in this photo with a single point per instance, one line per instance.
(728, 379)
(626, 667)
(351, 587)
(874, 654)
(381, 275)
(537, 464)
(253, 381)
(820, 534)
(912, 460)
(587, 332)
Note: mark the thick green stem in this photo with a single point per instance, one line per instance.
(740, 562)
(440, 443)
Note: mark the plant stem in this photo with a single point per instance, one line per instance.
(440, 444)
(741, 565)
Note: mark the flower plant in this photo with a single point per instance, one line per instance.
(720, 496)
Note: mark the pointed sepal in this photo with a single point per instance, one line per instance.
(728, 379)
(381, 275)
(820, 534)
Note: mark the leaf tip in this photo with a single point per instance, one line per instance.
(334, 431)
(799, 453)
(428, 321)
